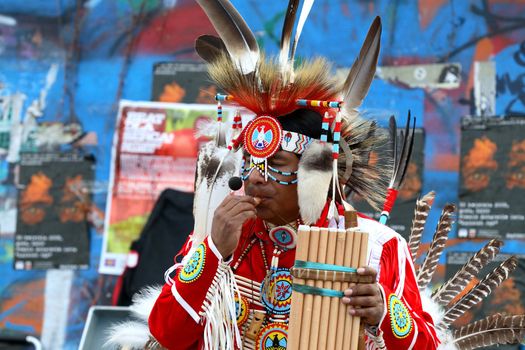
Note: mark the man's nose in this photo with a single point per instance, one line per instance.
(256, 176)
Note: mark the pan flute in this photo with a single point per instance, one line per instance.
(326, 263)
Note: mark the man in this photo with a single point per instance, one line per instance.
(233, 287)
(304, 146)
(240, 239)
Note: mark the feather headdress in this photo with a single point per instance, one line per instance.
(274, 85)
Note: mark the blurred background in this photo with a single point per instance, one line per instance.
(85, 154)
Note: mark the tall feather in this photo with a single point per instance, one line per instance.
(402, 160)
(392, 133)
(305, 11)
(210, 48)
(289, 21)
(426, 270)
(363, 70)
(423, 206)
(493, 330)
(235, 33)
(455, 285)
(481, 290)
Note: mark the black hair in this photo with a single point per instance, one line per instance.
(304, 121)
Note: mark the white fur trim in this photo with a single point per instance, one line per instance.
(184, 304)
(447, 341)
(129, 335)
(144, 300)
(431, 307)
(312, 184)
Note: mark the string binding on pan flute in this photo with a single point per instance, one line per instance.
(326, 264)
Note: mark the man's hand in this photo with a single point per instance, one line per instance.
(367, 297)
(228, 219)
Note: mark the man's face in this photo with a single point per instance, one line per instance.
(279, 203)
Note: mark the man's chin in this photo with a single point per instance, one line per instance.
(264, 213)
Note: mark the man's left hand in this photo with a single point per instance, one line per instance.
(365, 299)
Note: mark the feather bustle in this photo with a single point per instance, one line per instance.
(455, 285)
(366, 179)
(493, 330)
(481, 290)
(423, 207)
(426, 270)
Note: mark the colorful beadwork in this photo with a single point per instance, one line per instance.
(399, 317)
(273, 337)
(262, 138)
(284, 237)
(241, 309)
(277, 297)
(246, 172)
(195, 265)
(318, 103)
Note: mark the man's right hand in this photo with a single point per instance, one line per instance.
(228, 219)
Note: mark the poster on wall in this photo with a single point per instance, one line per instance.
(7, 198)
(403, 211)
(492, 179)
(53, 205)
(508, 298)
(155, 147)
(183, 82)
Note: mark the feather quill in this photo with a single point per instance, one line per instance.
(305, 11)
(402, 160)
(455, 285)
(481, 290)
(363, 70)
(289, 21)
(392, 133)
(235, 33)
(210, 48)
(426, 271)
(423, 206)
(493, 330)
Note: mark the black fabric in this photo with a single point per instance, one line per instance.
(163, 236)
(304, 121)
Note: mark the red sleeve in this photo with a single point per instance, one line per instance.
(405, 325)
(176, 318)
